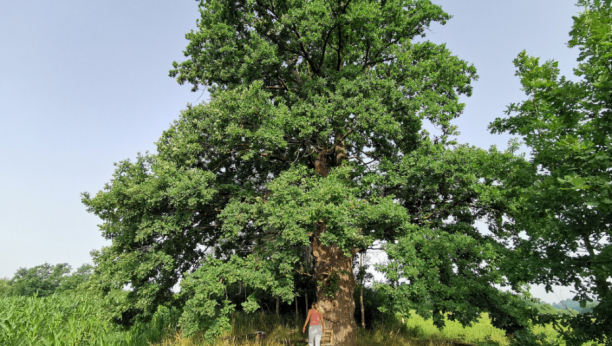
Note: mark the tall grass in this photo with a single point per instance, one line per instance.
(415, 332)
(74, 319)
(279, 330)
(481, 331)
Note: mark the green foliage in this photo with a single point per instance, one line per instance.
(330, 286)
(5, 288)
(73, 319)
(315, 118)
(372, 300)
(448, 262)
(481, 333)
(149, 209)
(547, 309)
(42, 280)
(567, 205)
(76, 279)
(211, 310)
(45, 279)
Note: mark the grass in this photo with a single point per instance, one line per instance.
(280, 329)
(453, 331)
(416, 332)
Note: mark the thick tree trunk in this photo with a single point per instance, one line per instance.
(340, 309)
(277, 305)
(332, 263)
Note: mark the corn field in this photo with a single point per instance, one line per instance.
(73, 320)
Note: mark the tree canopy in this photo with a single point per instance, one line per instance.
(562, 226)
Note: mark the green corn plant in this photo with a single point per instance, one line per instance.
(74, 320)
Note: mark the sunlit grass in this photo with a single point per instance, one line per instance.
(454, 331)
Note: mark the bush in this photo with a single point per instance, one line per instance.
(372, 301)
(5, 288)
(42, 280)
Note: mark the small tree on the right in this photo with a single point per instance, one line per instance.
(562, 231)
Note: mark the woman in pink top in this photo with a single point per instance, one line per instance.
(317, 326)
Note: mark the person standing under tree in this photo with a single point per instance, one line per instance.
(317, 326)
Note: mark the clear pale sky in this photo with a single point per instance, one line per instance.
(84, 84)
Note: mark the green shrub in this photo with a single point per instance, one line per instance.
(5, 288)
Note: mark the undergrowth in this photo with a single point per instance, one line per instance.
(280, 330)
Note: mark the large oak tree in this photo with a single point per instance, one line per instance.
(310, 147)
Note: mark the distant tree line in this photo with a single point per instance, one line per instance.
(574, 306)
(44, 280)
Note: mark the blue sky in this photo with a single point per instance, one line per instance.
(84, 84)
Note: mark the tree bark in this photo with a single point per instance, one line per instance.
(321, 165)
(277, 305)
(340, 309)
(601, 283)
(332, 262)
(361, 293)
(306, 301)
